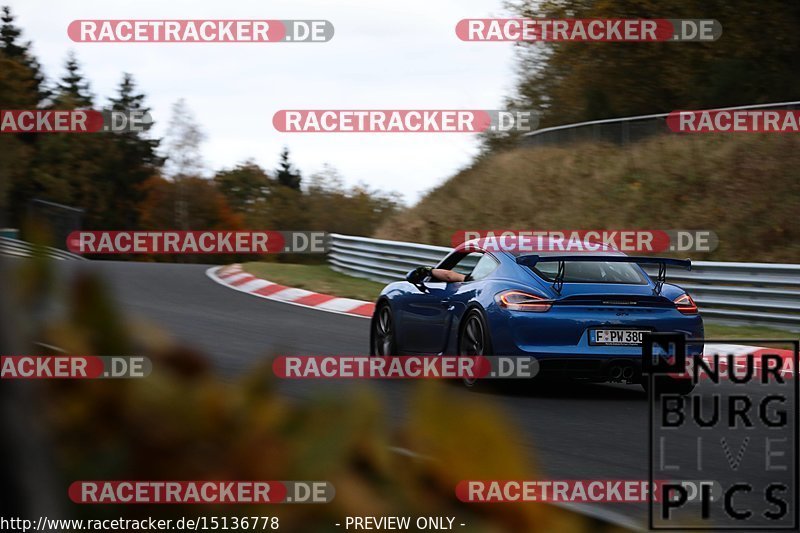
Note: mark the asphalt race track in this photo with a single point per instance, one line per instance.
(581, 431)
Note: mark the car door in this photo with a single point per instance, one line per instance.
(426, 316)
(465, 293)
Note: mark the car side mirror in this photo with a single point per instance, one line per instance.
(416, 277)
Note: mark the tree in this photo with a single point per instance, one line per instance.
(183, 140)
(184, 159)
(354, 210)
(21, 53)
(21, 87)
(132, 158)
(9, 33)
(72, 90)
(209, 210)
(245, 187)
(68, 168)
(286, 175)
(16, 151)
(576, 81)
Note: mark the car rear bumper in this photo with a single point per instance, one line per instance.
(564, 333)
(560, 341)
(619, 369)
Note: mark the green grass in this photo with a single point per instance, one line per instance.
(723, 332)
(317, 278)
(719, 331)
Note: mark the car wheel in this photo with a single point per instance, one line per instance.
(383, 339)
(667, 385)
(474, 339)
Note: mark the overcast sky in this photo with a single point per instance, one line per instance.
(399, 54)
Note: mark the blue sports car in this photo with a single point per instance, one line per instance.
(581, 315)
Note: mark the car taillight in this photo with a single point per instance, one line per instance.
(522, 301)
(685, 304)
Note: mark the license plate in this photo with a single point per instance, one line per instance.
(617, 337)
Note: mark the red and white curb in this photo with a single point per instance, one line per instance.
(741, 352)
(234, 277)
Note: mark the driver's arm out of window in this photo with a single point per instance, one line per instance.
(449, 276)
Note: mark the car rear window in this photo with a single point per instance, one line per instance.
(592, 272)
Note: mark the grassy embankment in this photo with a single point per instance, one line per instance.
(744, 187)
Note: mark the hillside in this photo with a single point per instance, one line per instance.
(744, 187)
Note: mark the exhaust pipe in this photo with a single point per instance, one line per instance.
(615, 372)
(627, 372)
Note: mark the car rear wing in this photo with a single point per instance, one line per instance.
(662, 262)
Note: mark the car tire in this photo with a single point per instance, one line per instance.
(473, 339)
(382, 337)
(667, 385)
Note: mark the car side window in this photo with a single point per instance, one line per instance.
(467, 263)
(486, 265)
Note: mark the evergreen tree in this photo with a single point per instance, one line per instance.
(9, 34)
(286, 175)
(14, 50)
(16, 150)
(69, 167)
(132, 158)
(72, 90)
(21, 87)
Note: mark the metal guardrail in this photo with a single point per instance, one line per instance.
(17, 248)
(755, 293)
(623, 130)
